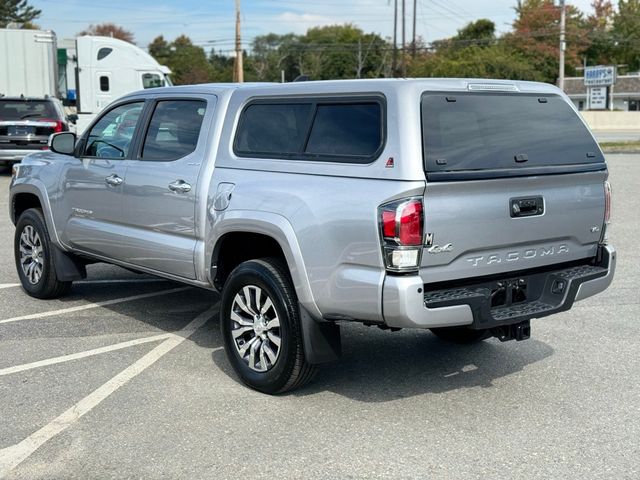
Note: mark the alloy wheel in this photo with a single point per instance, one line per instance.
(31, 254)
(255, 328)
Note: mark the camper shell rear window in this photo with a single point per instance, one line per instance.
(469, 135)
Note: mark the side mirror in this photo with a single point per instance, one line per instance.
(63, 143)
(72, 118)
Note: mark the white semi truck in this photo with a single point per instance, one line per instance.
(88, 72)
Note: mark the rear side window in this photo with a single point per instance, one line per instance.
(273, 128)
(503, 133)
(320, 130)
(346, 130)
(174, 129)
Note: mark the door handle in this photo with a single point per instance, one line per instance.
(527, 207)
(180, 186)
(113, 180)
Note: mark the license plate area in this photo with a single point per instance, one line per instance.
(509, 292)
(20, 130)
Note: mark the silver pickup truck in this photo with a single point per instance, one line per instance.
(467, 207)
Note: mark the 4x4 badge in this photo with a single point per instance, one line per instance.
(440, 249)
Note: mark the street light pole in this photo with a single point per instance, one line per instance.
(563, 43)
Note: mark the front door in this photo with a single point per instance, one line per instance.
(91, 202)
(160, 193)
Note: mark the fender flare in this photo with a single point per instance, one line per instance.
(277, 227)
(37, 188)
(321, 339)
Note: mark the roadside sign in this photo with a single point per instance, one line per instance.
(597, 98)
(600, 76)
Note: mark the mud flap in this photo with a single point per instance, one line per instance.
(68, 267)
(321, 340)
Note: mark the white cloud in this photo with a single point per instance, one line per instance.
(301, 22)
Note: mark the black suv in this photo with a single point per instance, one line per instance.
(25, 126)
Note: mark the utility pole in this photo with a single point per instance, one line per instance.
(394, 62)
(404, 40)
(563, 44)
(238, 70)
(413, 43)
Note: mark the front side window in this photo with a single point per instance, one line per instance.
(152, 80)
(103, 52)
(320, 130)
(111, 136)
(174, 129)
(104, 83)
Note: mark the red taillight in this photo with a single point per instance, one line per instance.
(57, 128)
(607, 203)
(402, 222)
(401, 225)
(411, 223)
(389, 223)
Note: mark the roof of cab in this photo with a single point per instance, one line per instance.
(360, 85)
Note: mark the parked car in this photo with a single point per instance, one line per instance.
(26, 124)
(467, 207)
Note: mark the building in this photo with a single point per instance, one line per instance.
(626, 92)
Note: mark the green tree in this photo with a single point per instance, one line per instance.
(342, 51)
(475, 61)
(481, 33)
(626, 34)
(188, 62)
(323, 53)
(17, 11)
(273, 53)
(600, 26)
(222, 67)
(160, 49)
(536, 32)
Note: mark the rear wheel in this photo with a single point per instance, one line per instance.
(460, 335)
(34, 259)
(260, 325)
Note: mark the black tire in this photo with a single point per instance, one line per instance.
(460, 335)
(290, 370)
(47, 285)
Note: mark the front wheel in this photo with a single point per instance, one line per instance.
(460, 335)
(260, 325)
(34, 257)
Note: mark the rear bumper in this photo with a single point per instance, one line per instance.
(14, 155)
(407, 305)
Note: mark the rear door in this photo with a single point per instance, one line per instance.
(514, 181)
(161, 189)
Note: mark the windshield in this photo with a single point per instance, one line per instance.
(26, 110)
(500, 131)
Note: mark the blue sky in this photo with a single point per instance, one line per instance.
(211, 23)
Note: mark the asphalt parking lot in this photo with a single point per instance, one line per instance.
(127, 378)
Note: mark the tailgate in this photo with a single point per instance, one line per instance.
(514, 181)
(472, 232)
